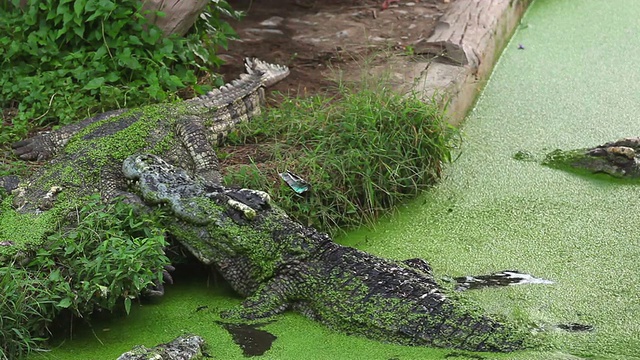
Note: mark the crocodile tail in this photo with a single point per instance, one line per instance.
(466, 329)
(245, 85)
(271, 73)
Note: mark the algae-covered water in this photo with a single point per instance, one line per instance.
(575, 84)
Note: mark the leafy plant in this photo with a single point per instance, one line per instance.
(363, 152)
(26, 305)
(63, 60)
(214, 32)
(108, 258)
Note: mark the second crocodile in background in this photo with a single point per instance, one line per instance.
(620, 159)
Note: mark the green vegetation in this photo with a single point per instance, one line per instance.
(24, 231)
(107, 259)
(65, 60)
(363, 152)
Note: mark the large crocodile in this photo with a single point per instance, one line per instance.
(86, 158)
(619, 158)
(278, 264)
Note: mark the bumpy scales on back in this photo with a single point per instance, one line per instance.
(278, 264)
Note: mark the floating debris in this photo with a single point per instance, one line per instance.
(295, 182)
(504, 278)
(575, 327)
(524, 155)
(252, 341)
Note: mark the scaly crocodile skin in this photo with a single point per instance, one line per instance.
(278, 264)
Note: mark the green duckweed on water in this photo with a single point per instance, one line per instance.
(575, 84)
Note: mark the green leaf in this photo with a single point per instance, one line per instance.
(127, 305)
(175, 82)
(134, 40)
(61, 9)
(167, 47)
(79, 31)
(55, 276)
(101, 52)
(60, 33)
(126, 59)
(64, 303)
(152, 35)
(112, 77)
(78, 7)
(90, 7)
(106, 5)
(94, 84)
(67, 17)
(94, 15)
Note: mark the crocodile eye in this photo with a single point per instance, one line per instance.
(597, 152)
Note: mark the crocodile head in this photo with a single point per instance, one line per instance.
(158, 182)
(620, 159)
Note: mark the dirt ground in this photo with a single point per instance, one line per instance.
(321, 40)
(317, 37)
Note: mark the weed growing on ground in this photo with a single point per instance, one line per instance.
(107, 258)
(363, 151)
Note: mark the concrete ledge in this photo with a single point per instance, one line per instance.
(449, 50)
(464, 48)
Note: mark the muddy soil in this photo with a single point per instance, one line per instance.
(318, 39)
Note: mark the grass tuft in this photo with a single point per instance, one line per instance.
(364, 151)
(104, 261)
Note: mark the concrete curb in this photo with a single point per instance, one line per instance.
(454, 63)
(487, 28)
(483, 39)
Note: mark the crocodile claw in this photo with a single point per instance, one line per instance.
(157, 289)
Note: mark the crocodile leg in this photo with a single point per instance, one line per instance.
(113, 185)
(194, 138)
(271, 298)
(45, 145)
(9, 182)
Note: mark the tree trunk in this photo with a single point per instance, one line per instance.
(466, 31)
(180, 15)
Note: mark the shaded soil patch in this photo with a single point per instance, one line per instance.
(318, 38)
